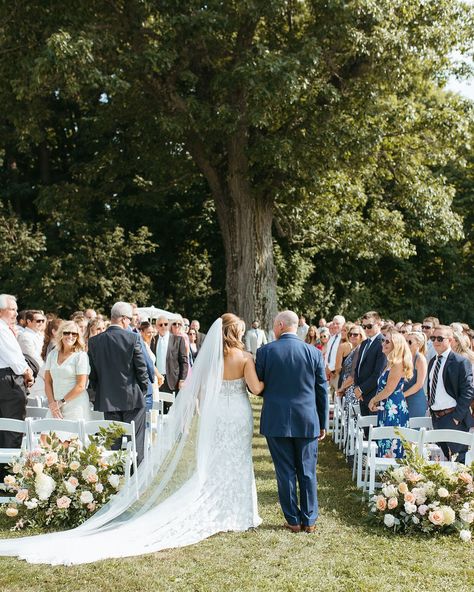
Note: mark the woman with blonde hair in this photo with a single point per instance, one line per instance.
(344, 349)
(66, 374)
(389, 400)
(414, 388)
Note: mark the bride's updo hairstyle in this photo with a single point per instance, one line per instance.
(232, 329)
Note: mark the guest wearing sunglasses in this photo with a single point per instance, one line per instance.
(371, 362)
(31, 339)
(414, 388)
(66, 373)
(356, 336)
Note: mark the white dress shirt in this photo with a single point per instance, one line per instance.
(442, 399)
(161, 351)
(331, 351)
(11, 355)
(254, 338)
(31, 343)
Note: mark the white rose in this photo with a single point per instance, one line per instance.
(44, 485)
(86, 497)
(99, 487)
(466, 515)
(449, 515)
(69, 487)
(114, 480)
(389, 520)
(31, 504)
(74, 465)
(16, 468)
(465, 535)
(389, 491)
(38, 468)
(89, 470)
(399, 474)
(443, 492)
(9, 480)
(410, 508)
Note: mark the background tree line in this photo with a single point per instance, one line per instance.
(242, 155)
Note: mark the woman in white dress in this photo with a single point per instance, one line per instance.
(200, 479)
(65, 375)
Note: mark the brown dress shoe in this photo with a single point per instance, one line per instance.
(292, 527)
(310, 529)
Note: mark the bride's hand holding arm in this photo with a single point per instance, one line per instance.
(255, 385)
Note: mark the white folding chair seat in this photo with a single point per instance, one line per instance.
(420, 422)
(441, 436)
(36, 412)
(377, 463)
(361, 447)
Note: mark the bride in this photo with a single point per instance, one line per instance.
(199, 479)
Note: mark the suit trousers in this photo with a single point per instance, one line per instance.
(139, 417)
(12, 406)
(295, 461)
(450, 448)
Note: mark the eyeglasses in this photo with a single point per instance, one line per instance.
(40, 321)
(426, 327)
(403, 331)
(73, 333)
(368, 326)
(186, 324)
(354, 334)
(438, 338)
(387, 341)
(410, 342)
(177, 324)
(125, 317)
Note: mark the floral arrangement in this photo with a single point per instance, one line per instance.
(426, 497)
(61, 484)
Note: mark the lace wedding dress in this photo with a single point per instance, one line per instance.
(203, 485)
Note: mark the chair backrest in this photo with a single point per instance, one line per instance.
(454, 436)
(33, 401)
(355, 410)
(38, 412)
(366, 421)
(50, 424)
(167, 397)
(395, 432)
(96, 415)
(13, 425)
(421, 422)
(93, 426)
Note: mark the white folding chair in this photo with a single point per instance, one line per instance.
(338, 420)
(441, 436)
(351, 432)
(130, 446)
(96, 415)
(8, 455)
(36, 412)
(377, 463)
(361, 447)
(63, 428)
(34, 401)
(420, 422)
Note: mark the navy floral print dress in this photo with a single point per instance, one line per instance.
(393, 411)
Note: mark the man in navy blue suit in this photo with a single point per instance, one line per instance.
(450, 390)
(293, 418)
(371, 362)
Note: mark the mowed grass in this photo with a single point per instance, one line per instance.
(346, 554)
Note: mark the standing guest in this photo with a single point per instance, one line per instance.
(255, 338)
(457, 328)
(186, 324)
(416, 328)
(321, 322)
(312, 336)
(119, 374)
(90, 314)
(15, 374)
(146, 333)
(32, 338)
(50, 336)
(135, 322)
(65, 375)
(94, 327)
(406, 328)
(462, 345)
(429, 323)
(414, 390)
(200, 336)
(344, 349)
(193, 350)
(21, 321)
(171, 358)
(371, 361)
(335, 328)
(471, 338)
(302, 327)
(450, 391)
(323, 339)
(81, 321)
(293, 418)
(389, 400)
(356, 337)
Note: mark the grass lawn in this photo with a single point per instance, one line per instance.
(345, 555)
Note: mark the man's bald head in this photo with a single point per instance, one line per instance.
(285, 322)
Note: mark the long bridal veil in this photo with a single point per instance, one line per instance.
(171, 485)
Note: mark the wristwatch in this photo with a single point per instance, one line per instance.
(63, 401)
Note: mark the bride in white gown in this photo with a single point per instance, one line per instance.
(201, 483)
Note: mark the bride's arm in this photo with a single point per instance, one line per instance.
(255, 385)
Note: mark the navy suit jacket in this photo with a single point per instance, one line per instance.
(457, 380)
(295, 397)
(118, 370)
(368, 372)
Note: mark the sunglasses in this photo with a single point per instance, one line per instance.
(438, 338)
(426, 327)
(354, 334)
(40, 321)
(73, 333)
(368, 326)
(177, 324)
(125, 317)
(410, 342)
(387, 341)
(403, 331)
(163, 324)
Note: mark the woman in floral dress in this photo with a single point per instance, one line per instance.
(390, 401)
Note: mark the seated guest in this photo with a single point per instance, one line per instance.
(450, 390)
(66, 373)
(389, 400)
(414, 388)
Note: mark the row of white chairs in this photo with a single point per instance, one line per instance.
(32, 429)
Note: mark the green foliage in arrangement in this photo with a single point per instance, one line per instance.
(301, 154)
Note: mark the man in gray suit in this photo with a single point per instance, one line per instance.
(119, 374)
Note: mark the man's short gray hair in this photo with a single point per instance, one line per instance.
(4, 298)
(288, 318)
(121, 309)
